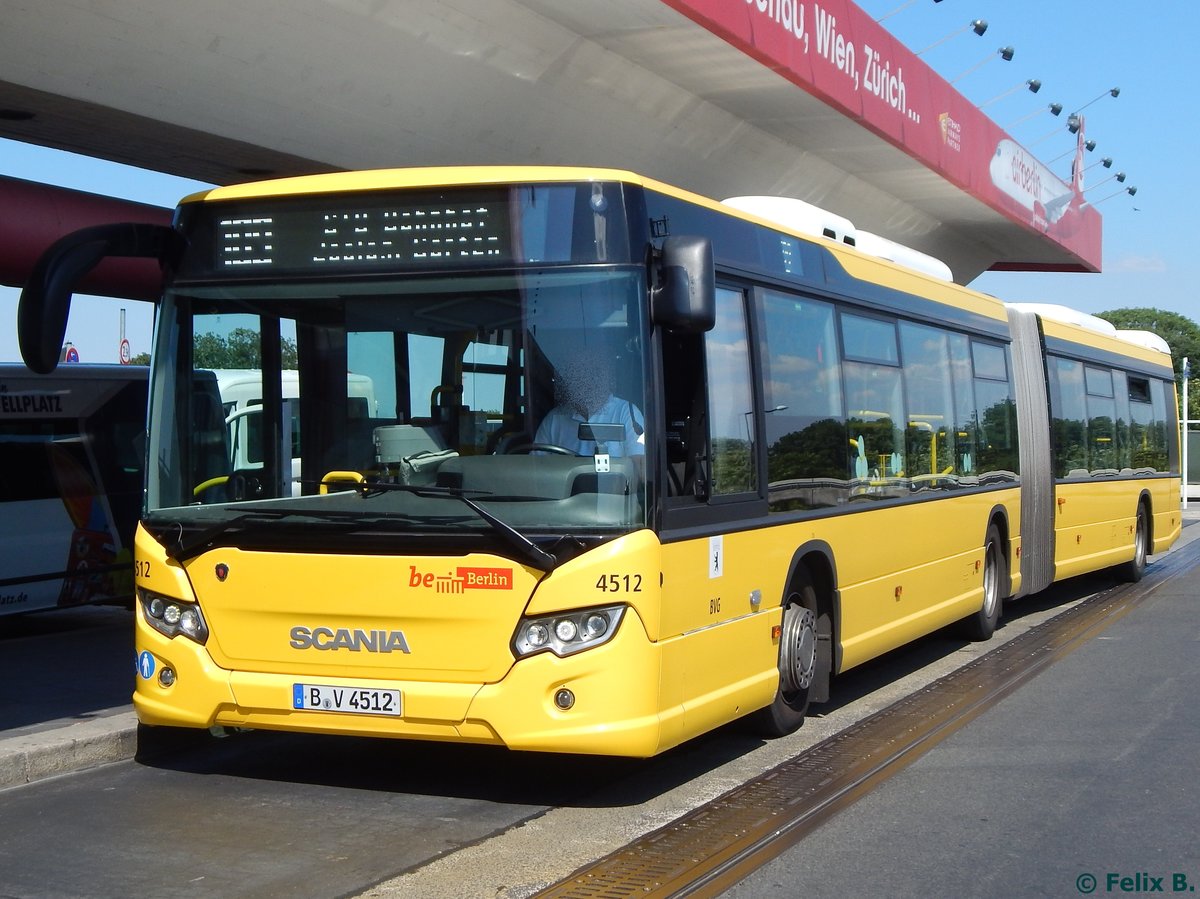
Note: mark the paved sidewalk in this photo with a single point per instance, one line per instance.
(66, 682)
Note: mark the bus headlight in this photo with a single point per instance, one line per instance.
(172, 617)
(566, 633)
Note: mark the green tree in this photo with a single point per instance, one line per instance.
(1182, 336)
(240, 349)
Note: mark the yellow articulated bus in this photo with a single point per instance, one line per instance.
(638, 463)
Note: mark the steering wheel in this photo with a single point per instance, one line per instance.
(526, 448)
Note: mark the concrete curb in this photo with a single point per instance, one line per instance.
(64, 750)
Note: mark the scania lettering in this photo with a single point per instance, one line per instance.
(324, 638)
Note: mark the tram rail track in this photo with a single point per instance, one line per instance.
(706, 851)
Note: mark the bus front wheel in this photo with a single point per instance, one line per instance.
(798, 662)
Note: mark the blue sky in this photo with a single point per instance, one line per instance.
(95, 324)
(1078, 49)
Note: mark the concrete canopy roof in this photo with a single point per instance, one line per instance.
(226, 91)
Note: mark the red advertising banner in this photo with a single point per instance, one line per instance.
(839, 54)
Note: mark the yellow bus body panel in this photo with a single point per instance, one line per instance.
(691, 654)
(905, 571)
(459, 681)
(1094, 522)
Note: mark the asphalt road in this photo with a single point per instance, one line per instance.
(1085, 781)
(270, 815)
(63, 665)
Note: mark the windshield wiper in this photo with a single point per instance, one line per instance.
(530, 550)
(174, 539)
(174, 536)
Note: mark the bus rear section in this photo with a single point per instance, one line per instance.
(1101, 467)
(73, 444)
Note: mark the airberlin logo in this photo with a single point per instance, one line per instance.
(462, 579)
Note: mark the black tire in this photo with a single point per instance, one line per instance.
(798, 662)
(982, 624)
(1131, 572)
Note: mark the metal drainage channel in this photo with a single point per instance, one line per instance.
(711, 848)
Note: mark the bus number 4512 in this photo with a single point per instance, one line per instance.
(619, 583)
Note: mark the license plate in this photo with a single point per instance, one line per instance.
(356, 700)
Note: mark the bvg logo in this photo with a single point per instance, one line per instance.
(462, 579)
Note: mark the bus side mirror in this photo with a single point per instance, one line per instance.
(685, 298)
(46, 298)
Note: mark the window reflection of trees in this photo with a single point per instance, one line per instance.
(929, 389)
(1147, 438)
(807, 447)
(908, 412)
(1104, 422)
(999, 458)
(875, 409)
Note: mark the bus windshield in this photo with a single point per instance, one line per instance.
(386, 400)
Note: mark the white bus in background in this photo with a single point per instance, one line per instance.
(71, 467)
(241, 399)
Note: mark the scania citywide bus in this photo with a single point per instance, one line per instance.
(639, 463)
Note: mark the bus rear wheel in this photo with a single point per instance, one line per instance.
(798, 661)
(982, 624)
(1131, 572)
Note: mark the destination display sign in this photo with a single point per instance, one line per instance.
(365, 234)
(405, 229)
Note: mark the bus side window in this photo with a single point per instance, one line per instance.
(1068, 420)
(930, 405)
(731, 421)
(875, 418)
(686, 402)
(1147, 431)
(802, 383)
(710, 433)
(996, 411)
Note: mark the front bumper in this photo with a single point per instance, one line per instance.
(616, 706)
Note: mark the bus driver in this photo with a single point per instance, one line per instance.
(583, 392)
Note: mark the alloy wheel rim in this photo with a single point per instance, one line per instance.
(798, 662)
